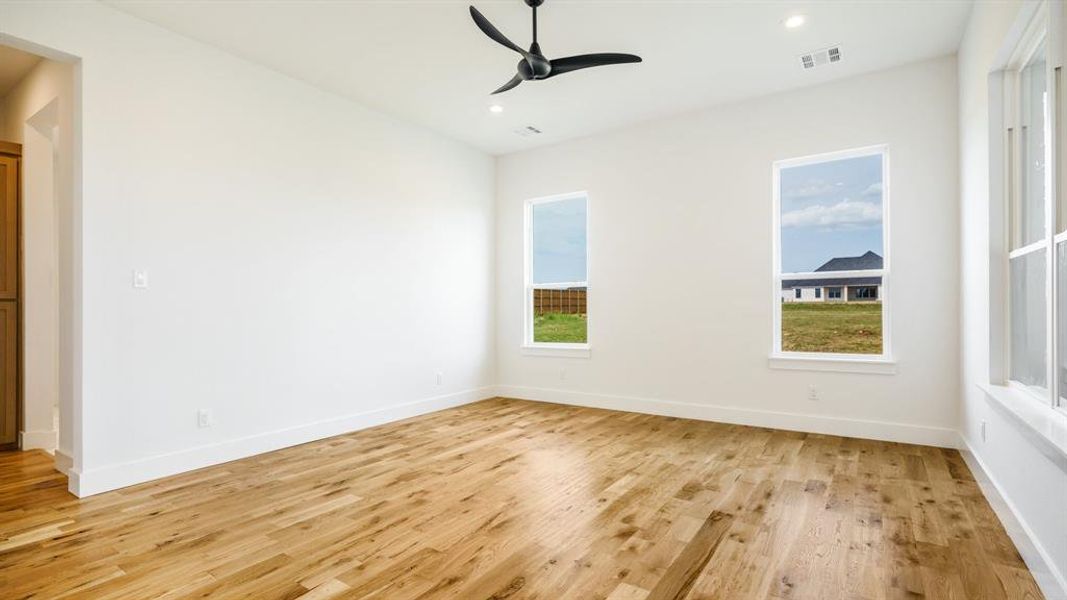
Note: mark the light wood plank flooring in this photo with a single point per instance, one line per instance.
(512, 499)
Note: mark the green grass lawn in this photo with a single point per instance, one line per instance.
(560, 328)
(846, 328)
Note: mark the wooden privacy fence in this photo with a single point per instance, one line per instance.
(570, 301)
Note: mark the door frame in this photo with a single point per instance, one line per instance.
(13, 149)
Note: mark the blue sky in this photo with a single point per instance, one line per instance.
(830, 209)
(559, 241)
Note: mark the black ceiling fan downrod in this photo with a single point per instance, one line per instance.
(534, 65)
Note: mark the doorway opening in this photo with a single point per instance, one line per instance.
(37, 107)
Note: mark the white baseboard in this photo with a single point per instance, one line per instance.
(43, 439)
(873, 430)
(64, 462)
(111, 477)
(1051, 581)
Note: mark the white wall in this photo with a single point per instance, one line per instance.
(312, 263)
(38, 113)
(680, 296)
(1034, 485)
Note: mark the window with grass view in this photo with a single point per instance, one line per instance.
(830, 268)
(556, 272)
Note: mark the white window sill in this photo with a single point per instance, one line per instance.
(557, 350)
(1043, 425)
(833, 364)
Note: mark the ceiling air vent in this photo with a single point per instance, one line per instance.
(528, 131)
(820, 58)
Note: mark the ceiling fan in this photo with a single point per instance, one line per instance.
(534, 65)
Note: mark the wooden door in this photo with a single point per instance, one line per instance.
(10, 368)
(9, 373)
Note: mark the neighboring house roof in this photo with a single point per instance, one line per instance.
(870, 260)
(851, 281)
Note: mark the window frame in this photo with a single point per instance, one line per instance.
(788, 359)
(564, 349)
(1006, 189)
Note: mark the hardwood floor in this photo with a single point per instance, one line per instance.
(512, 499)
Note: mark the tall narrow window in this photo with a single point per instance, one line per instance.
(1028, 225)
(557, 284)
(830, 229)
(1028, 259)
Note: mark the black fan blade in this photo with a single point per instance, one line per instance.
(494, 33)
(516, 80)
(585, 61)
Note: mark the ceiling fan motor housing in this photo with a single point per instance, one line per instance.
(535, 66)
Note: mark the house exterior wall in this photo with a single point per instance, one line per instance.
(807, 294)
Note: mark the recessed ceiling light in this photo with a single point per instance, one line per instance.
(794, 21)
(496, 109)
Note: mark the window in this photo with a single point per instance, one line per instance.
(866, 293)
(797, 294)
(1035, 265)
(556, 272)
(830, 232)
(1028, 259)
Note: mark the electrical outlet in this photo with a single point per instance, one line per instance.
(983, 432)
(439, 377)
(140, 280)
(813, 393)
(203, 418)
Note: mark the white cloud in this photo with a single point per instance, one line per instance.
(843, 215)
(811, 189)
(875, 189)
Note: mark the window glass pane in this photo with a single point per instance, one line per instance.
(559, 241)
(831, 215)
(1028, 340)
(1061, 312)
(558, 255)
(560, 315)
(853, 327)
(831, 221)
(1033, 107)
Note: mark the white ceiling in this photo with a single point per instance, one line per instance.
(14, 65)
(425, 61)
